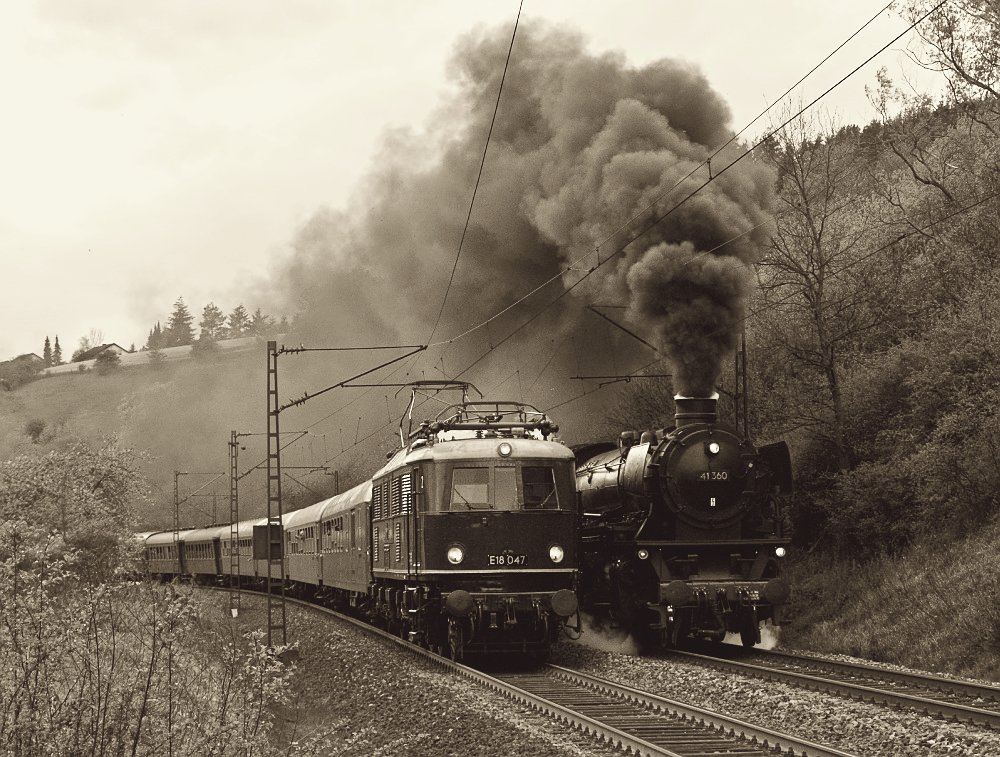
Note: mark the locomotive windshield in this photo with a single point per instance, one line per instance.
(470, 488)
(503, 487)
(539, 487)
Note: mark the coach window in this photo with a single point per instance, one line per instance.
(539, 487)
(470, 488)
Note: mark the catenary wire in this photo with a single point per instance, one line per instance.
(479, 177)
(658, 219)
(770, 306)
(600, 262)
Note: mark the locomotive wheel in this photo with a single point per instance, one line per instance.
(456, 641)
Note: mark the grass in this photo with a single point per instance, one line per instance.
(937, 607)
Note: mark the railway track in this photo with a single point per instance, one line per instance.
(633, 720)
(928, 694)
(644, 723)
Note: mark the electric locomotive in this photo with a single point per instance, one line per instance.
(681, 534)
(473, 530)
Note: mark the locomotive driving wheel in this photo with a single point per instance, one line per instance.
(456, 640)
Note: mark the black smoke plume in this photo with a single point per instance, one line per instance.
(586, 151)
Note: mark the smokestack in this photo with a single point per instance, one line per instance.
(688, 410)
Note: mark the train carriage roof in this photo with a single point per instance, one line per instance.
(205, 534)
(351, 498)
(164, 537)
(244, 529)
(305, 516)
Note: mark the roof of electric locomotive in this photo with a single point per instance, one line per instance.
(463, 445)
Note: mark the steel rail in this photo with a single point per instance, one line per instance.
(919, 696)
(964, 689)
(626, 718)
(664, 726)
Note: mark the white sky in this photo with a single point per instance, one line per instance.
(165, 148)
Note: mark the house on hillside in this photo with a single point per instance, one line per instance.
(28, 358)
(93, 352)
(19, 370)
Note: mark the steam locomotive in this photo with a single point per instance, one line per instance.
(681, 534)
(465, 541)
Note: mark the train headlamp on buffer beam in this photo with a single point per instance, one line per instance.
(455, 555)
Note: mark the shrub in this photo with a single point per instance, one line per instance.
(122, 667)
(107, 362)
(94, 662)
(34, 429)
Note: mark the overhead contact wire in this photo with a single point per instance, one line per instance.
(600, 263)
(479, 177)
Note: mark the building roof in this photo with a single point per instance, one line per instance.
(26, 358)
(93, 352)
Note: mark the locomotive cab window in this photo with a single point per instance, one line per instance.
(539, 487)
(470, 488)
(505, 488)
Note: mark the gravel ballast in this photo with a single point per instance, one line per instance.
(864, 729)
(356, 694)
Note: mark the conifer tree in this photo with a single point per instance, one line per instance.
(47, 352)
(260, 324)
(179, 331)
(156, 337)
(57, 353)
(213, 323)
(239, 322)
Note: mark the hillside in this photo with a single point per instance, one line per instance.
(177, 416)
(934, 607)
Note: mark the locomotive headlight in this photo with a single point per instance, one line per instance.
(714, 448)
(455, 555)
(556, 553)
(505, 449)
(643, 554)
(780, 552)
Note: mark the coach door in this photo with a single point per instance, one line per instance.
(352, 545)
(217, 554)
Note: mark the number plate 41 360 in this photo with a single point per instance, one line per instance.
(714, 475)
